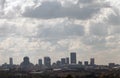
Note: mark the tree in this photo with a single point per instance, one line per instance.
(69, 76)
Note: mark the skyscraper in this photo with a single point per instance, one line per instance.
(40, 62)
(63, 61)
(11, 61)
(73, 58)
(67, 60)
(47, 61)
(92, 61)
(58, 63)
(86, 63)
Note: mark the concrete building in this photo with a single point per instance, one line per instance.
(67, 60)
(63, 61)
(86, 63)
(58, 63)
(26, 65)
(47, 61)
(111, 65)
(73, 58)
(80, 62)
(92, 61)
(40, 62)
(11, 61)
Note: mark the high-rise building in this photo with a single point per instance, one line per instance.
(58, 63)
(11, 61)
(73, 58)
(80, 62)
(26, 65)
(40, 62)
(86, 63)
(47, 61)
(67, 60)
(92, 61)
(63, 61)
(26, 60)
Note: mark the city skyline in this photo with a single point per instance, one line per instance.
(46, 61)
(69, 60)
(54, 28)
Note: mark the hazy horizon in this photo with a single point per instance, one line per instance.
(38, 28)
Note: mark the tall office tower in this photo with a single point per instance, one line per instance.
(67, 60)
(73, 58)
(11, 61)
(63, 61)
(40, 62)
(47, 61)
(86, 63)
(92, 61)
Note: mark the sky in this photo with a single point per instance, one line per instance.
(54, 28)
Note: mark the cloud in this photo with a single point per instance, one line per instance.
(60, 30)
(115, 30)
(46, 10)
(40, 28)
(86, 1)
(7, 29)
(54, 9)
(99, 29)
(114, 18)
(93, 40)
(12, 29)
(2, 3)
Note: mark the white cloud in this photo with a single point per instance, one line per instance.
(99, 29)
(57, 27)
(2, 3)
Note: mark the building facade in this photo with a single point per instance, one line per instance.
(73, 58)
(47, 61)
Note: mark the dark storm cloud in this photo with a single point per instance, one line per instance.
(54, 9)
